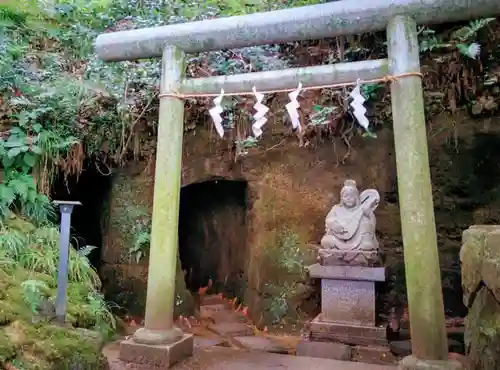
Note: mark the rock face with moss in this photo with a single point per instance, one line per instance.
(29, 339)
(125, 251)
(480, 257)
(43, 345)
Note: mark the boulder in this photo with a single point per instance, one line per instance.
(480, 258)
(482, 333)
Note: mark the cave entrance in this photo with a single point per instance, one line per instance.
(213, 229)
(91, 188)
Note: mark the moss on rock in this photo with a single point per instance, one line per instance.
(482, 335)
(45, 345)
(8, 350)
(480, 271)
(29, 338)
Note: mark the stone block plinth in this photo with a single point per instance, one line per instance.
(348, 293)
(363, 335)
(161, 356)
(348, 314)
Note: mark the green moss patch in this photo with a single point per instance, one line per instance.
(45, 345)
(29, 337)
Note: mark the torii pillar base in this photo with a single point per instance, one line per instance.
(413, 363)
(161, 356)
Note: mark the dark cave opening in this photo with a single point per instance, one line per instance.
(91, 188)
(213, 229)
(486, 171)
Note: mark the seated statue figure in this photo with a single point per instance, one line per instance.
(350, 229)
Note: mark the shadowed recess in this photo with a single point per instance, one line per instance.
(92, 189)
(213, 230)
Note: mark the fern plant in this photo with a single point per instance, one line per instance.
(18, 193)
(141, 241)
(322, 115)
(33, 292)
(460, 39)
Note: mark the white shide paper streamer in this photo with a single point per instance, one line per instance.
(359, 110)
(215, 113)
(260, 113)
(293, 106)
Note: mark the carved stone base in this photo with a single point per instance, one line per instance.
(348, 302)
(348, 321)
(161, 356)
(356, 273)
(346, 342)
(348, 293)
(362, 335)
(333, 257)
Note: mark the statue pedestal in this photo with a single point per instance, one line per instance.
(348, 318)
(329, 257)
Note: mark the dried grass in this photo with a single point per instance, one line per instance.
(69, 165)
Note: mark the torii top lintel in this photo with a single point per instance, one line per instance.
(345, 17)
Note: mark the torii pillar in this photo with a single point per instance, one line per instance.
(423, 277)
(160, 343)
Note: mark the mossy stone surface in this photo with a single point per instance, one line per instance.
(482, 334)
(480, 258)
(44, 345)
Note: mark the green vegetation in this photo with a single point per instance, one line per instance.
(460, 39)
(59, 104)
(131, 216)
(285, 258)
(28, 270)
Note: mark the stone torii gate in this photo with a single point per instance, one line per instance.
(160, 342)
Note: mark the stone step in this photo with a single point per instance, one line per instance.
(214, 300)
(219, 317)
(373, 355)
(208, 300)
(229, 317)
(220, 358)
(328, 350)
(209, 310)
(202, 342)
(259, 343)
(344, 352)
(229, 329)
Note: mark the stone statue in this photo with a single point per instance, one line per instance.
(350, 229)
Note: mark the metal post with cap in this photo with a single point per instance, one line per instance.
(66, 208)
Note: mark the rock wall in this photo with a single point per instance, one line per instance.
(124, 275)
(466, 184)
(291, 188)
(480, 256)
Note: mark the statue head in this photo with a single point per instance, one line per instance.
(349, 195)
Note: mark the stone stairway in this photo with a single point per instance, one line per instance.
(226, 340)
(231, 328)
